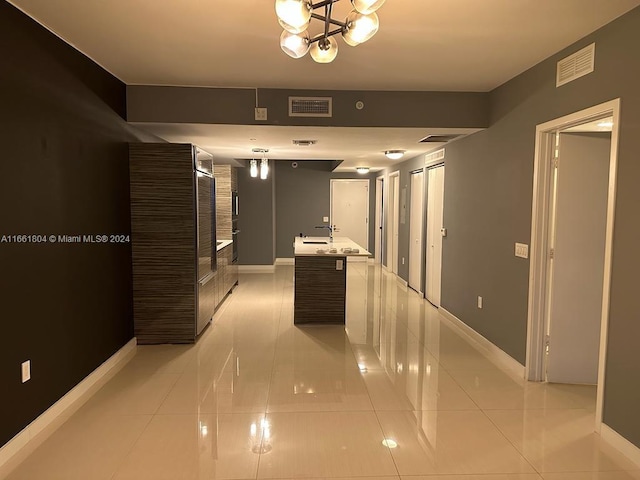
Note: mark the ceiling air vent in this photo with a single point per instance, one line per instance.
(438, 138)
(304, 143)
(310, 106)
(577, 65)
(434, 157)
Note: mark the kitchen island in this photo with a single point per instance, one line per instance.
(321, 278)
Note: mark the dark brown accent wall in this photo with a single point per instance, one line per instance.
(67, 307)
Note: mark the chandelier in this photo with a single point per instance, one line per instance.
(295, 16)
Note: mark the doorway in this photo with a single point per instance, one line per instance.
(416, 215)
(571, 243)
(435, 214)
(350, 210)
(379, 241)
(393, 222)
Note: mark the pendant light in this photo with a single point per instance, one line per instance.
(324, 50)
(360, 28)
(294, 13)
(294, 45)
(264, 168)
(253, 168)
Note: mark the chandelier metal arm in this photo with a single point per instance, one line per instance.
(320, 36)
(324, 3)
(331, 20)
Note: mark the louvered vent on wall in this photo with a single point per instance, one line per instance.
(434, 157)
(577, 65)
(438, 138)
(310, 106)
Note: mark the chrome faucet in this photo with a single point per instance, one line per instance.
(331, 228)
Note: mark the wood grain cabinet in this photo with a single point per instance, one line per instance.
(175, 283)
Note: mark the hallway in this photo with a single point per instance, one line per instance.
(400, 394)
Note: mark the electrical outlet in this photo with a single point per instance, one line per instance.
(479, 301)
(26, 371)
(325, 219)
(339, 265)
(522, 250)
(261, 114)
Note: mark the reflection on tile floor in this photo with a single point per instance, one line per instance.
(397, 395)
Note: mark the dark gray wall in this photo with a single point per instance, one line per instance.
(256, 221)
(63, 170)
(236, 106)
(303, 198)
(487, 208)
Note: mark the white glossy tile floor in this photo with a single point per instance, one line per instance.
(397, 394)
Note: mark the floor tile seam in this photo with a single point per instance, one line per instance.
(124, 458)
(384, 436)
(521, 453)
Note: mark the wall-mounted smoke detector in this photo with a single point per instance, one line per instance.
(304, 143)
(576, 65)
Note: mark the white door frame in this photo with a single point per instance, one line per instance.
(356, 181)
(421, 264)
(392, 233)
(539, 264)
(379, 240)
(428, 267)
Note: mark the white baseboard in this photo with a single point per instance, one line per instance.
(70, 402)
(620, 443)
(256, 268)
(404, 283)
(285, 261)
(484, 346)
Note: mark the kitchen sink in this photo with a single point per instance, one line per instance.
(315, 242)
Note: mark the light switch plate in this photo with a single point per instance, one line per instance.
(261, 114)
(522, 250)
(339, 264)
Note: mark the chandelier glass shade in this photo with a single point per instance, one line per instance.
(253, 168)
(367, 6)
(324, 50)
(294, 13)
(295, 45)
(295, 17)
(264, 168)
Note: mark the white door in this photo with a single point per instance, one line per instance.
(415, 231)
(379, 214)
(435, 210)
(350, 210)
(577, 264)
(393, 222)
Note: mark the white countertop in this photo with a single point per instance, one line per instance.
(225, 243)
(339, 243)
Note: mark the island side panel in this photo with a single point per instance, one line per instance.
(319, 290)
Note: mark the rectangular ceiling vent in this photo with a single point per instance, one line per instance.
(577, 65)
(434, 157)
(310, 106)
(438, 138)
(304, 143)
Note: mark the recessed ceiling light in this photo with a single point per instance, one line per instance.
(394, 154)
(362, 170)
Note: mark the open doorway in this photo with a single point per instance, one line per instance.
(350, 210)
(571, 242)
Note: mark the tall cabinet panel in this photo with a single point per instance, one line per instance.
(173, 237)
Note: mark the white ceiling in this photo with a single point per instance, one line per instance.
(462, 45)
(437, 45)
(356, 146)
